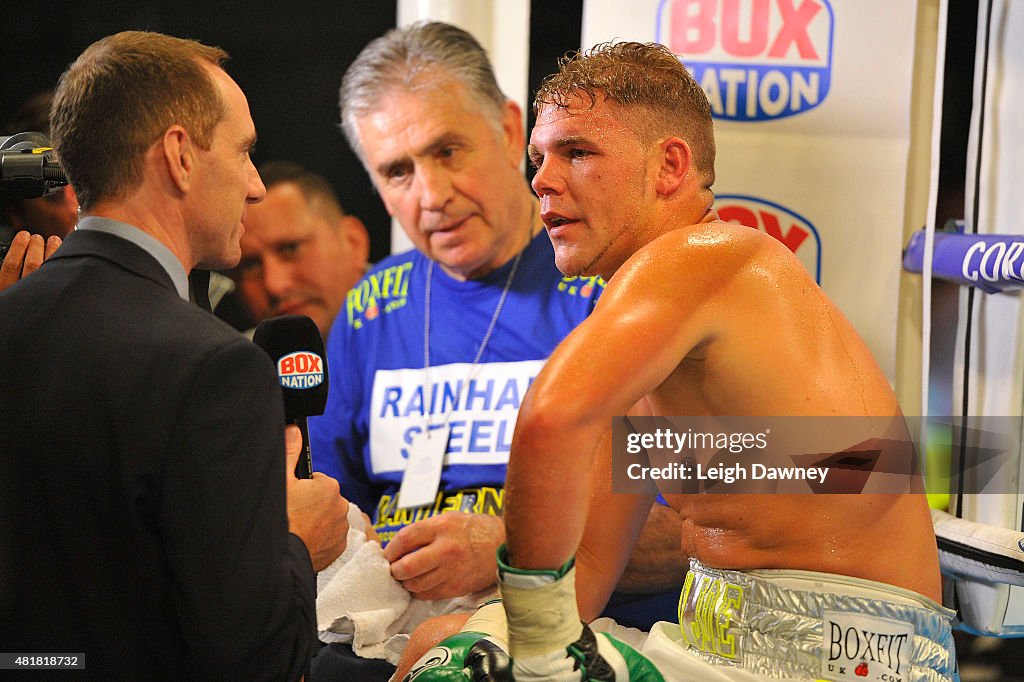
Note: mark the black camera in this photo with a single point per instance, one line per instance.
(29, 167)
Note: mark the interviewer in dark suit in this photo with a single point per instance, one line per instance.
(145, 504)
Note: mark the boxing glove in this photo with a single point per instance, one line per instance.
(478, 652)
(547, 640)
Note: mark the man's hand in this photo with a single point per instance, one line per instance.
(317, 512)
(26, 254)
(447, 555)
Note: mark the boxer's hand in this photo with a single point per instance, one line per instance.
(600, 657)
(463, 656)
(26, 254)
(447, 555)
(480, 652)
(317, 512)
(546, 637)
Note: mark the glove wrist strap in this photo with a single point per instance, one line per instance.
(541, 607)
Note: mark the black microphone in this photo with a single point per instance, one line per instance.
(294, 344)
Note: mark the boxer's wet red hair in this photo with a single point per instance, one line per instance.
(644, 76)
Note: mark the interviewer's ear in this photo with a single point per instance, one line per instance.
(178, 156)
(676, 161)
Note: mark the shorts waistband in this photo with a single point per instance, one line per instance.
(807, 625)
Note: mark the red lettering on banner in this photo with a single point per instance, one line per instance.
(695, 26)
(702, 24)
(731, 29)
(793, 237)
(739, 214)
(288, 365)
(794, 29)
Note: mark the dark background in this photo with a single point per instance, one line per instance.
(288, 57)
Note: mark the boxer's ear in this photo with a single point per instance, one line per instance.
(675, 163)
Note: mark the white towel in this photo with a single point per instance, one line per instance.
(359, 602)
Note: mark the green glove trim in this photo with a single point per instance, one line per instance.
(545, 575)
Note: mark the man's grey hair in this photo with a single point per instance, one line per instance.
(418, 57)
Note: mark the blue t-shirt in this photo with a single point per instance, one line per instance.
(380, 395)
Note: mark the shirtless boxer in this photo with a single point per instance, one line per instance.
(624, 151)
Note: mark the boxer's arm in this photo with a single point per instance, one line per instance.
(642, 328)
(613, 523)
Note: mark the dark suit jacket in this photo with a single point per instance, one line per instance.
(142, 480)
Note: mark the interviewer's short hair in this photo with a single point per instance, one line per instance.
(118, 98)
(638, 75)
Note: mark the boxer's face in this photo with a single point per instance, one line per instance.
(593, 182)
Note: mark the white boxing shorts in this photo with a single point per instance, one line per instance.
(801, 625)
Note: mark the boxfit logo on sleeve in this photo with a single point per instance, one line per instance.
(757, 60)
